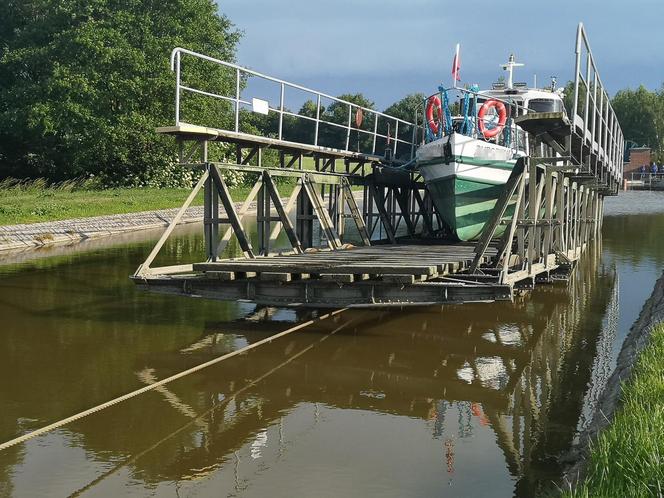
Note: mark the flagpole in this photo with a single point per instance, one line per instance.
(455, 73)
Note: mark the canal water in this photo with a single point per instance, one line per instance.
(474, 400)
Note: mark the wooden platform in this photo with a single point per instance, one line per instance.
(193, 132)
(403, 274)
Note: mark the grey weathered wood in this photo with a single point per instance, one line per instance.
(292, 201)
(241, 214)
(497, 214)
(229, 207)
(167, 233)
(382, 212)
(283, 214)
(322, 214)
(356, 214)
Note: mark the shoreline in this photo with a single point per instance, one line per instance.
(31, 236)
(609, 403)
(48, 233)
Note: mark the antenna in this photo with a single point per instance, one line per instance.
(509, 67)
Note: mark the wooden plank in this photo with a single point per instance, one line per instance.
(167, 233)
(264, 265)
(344, 278)
(276, 276)
(281, 211)
(226, 276)
(241, 213)
(498, 212)
(402, 199)
(322, 214)
(399, 279)
(384, 217)
(428, 225)
(292, 201)
(356, 214)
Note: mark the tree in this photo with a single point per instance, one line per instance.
(408, 107)
(83, 84)
(338, 113)
(640, 115)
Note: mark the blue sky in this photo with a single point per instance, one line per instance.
(387, 49)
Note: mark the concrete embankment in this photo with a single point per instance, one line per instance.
(652, 314)
(33, 235)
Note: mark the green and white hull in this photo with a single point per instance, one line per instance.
(465, 177)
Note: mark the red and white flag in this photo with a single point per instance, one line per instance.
(456, 66)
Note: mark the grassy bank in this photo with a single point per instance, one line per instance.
(34, 202)
(628, 457)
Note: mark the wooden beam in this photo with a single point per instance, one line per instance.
(229, 207)
(322, 214)
(355, 213)
(145, 267)
(281, 211)
(498, 212)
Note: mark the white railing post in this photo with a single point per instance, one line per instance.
(177, 89)
(317, 119)
(281, 110)
(237, 100)
(350, 117)
(375, 134)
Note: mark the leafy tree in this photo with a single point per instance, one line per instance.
(83, 84)
(408, 107)
(337, 112)
(640, 115)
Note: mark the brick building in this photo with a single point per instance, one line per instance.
(638, 156)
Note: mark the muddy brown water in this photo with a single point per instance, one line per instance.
(473, 400)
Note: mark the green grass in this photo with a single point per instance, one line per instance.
(628, 457)
(32, 202)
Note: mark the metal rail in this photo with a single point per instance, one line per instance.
(593, 117)
(381, 130)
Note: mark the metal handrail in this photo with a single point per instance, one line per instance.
(646, 175)
(393, 122)
(474, 117)
(604, 130)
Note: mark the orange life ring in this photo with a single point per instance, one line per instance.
(434, 104)
(502, 117)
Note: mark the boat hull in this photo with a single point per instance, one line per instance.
(465, 177)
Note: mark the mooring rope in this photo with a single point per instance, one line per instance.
(197, 368)
(215, 407)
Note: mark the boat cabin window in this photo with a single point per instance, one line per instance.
(545, 105)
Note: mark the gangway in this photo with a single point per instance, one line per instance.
(387, 247)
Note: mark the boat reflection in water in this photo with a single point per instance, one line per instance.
(473, 399)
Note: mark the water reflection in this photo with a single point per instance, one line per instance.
(474, 400)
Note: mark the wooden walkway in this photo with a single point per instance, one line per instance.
(394, 263)
(384, 275)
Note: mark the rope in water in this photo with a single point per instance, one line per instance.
(197, 368)
(199, 417)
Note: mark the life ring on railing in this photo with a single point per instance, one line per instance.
(502, 118)
(434, 122)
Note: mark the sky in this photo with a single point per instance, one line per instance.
(390, 48)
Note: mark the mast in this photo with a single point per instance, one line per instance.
(509, 67)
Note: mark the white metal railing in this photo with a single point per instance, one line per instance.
(647, 177)
(593, 116)
(388, 132)
(511, 137)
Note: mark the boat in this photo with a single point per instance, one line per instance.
(467, 158)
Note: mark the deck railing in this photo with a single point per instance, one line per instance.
(593, 117)
(350, 127)
(468, 119)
